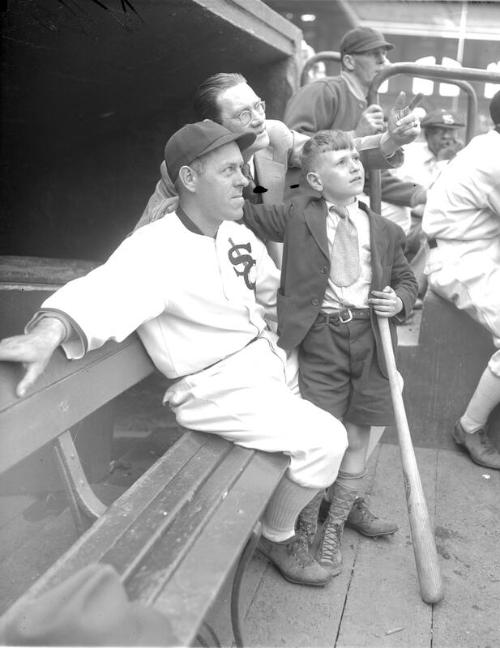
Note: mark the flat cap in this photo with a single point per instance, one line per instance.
(363, 39)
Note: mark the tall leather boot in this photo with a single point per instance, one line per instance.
(307, 522)
(329, 555)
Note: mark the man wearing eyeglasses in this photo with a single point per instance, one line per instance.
(227, 98)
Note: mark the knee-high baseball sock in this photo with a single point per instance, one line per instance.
(352, 482)
(484, 399)
(279, 519)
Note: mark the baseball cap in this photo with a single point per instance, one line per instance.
(442, 118)
(363, 39)
(193, 140)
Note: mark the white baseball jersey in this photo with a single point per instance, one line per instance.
(464, 204)
(463, 215)
(195, 299)
(199, 302)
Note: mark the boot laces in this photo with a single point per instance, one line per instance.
(299, 549)
(330, 541)
(364, 511)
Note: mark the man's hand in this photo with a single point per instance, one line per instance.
(449, 151)
(33, 349)
(403, 125)
(167, 206)
(371, 121)
(385, 302)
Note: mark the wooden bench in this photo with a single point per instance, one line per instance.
(442, 372)
(180, 530)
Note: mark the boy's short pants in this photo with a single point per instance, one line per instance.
(339, 372)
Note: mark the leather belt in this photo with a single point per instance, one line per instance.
(345, 315)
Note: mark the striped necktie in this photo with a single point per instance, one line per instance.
(248, 191)
(345, 267)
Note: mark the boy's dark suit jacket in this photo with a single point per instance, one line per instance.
(306, 264)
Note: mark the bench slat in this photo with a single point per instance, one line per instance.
(172, 518)
(95, 541)
(190, 521)
(189, 592)
(68, 393)
(215, 493)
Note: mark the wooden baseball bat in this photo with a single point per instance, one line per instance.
(424, 546)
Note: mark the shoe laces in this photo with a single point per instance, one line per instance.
(364, 511)
(330, 541)
(299, 549)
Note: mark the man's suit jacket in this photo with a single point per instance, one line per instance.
(306, 264)
(271, 165)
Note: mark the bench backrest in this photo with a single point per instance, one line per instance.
(66, 393)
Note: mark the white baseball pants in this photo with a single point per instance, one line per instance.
(245, 398)
(468, 274)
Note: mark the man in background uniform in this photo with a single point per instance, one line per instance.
(462, 221)
(340, 103)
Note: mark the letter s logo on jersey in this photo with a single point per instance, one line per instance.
(240, 255)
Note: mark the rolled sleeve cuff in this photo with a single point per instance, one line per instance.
(75, 343)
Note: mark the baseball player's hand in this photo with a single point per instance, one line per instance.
(371, 121)
(449, 151)
(403, 125)
(34, 350)
(385, 302)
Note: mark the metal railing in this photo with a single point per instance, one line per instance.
(320, 56)
(457, 76)
(460, 77)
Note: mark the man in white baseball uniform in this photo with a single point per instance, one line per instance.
(462, 221)
(200, 289)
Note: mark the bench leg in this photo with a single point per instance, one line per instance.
(83, 502)
(245, 558)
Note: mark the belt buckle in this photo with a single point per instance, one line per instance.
(349, 316)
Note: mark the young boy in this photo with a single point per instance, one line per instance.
(342, 266)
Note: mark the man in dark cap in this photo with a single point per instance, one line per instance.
(340, 103)
(200, 289)
(462, 221)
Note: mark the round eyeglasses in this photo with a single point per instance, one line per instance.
(246, 115)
